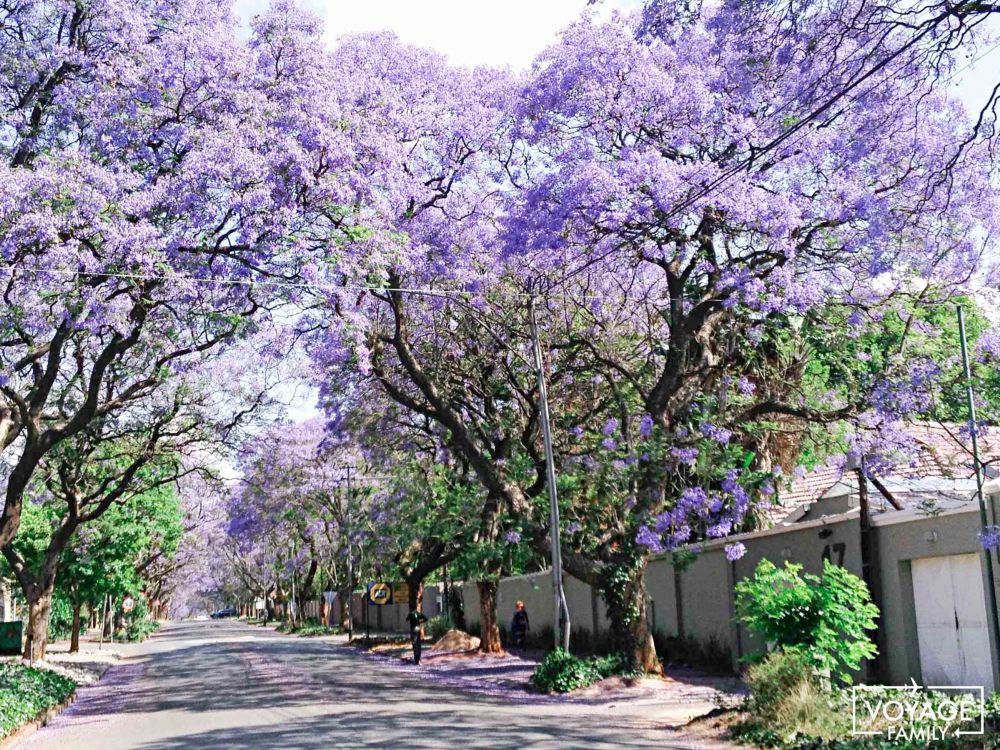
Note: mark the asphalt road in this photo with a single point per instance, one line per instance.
(228, 685)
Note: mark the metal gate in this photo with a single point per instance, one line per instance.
(952, 628)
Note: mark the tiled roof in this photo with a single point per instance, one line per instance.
(938, 451)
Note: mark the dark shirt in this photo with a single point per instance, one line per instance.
(520, 621)
(415, 618)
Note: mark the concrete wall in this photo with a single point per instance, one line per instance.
(388, 617)
(698, 601)
(695, 602)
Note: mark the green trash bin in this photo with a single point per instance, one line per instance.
(10, 637)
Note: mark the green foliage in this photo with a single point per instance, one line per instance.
(104, 555)
(313, 629)
(775, 678)
(843, 360)
(438, 625)
(711, 654)
(561, 672)
(61, 617)
(799, 715)
(138, 630)
(26, 692)
(827, 616)
(611, 665)
(310, 628)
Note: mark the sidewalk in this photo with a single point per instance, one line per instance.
(84, 667)
(669, 702)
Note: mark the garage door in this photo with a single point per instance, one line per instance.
(952, 628)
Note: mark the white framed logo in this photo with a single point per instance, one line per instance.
(916, 713)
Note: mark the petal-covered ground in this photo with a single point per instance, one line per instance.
(224, 685)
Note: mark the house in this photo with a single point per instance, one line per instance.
(912, 533)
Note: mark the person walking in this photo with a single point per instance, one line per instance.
(415, 619)
(519, 624)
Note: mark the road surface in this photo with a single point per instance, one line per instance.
(229, 685)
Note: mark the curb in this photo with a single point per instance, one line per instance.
(29, 728)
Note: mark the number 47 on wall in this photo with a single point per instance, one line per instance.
(835, 553)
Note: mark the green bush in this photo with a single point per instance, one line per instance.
(437, 626)
(790, 708)
(314, 629)
(138, 630)
(789, 697)
(561, 672)
(827, 616)
(26, 692)
(710, 654)
(614, 664)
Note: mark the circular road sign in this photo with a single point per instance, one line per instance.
(380, 593)
(128, 604)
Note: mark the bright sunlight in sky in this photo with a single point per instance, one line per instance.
(469, 32)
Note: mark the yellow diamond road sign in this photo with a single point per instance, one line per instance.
(380, 593)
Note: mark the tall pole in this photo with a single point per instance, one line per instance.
(562, 621)
(350, 566)
(980, 479)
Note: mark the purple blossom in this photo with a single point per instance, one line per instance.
(685, 455)
(735, 551)
(723, 528)
(989, 537)
(512, 537)
(649, 539)
(718, 434)
(646, 426)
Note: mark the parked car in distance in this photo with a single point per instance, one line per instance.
(222, 613)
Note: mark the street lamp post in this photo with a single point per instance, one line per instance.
(561, 624)
(980, 478)
(350, 566)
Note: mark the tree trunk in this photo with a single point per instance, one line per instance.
(623, 589)
(489, 635)
(39, 610)
(74, 641)
(345, 607)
